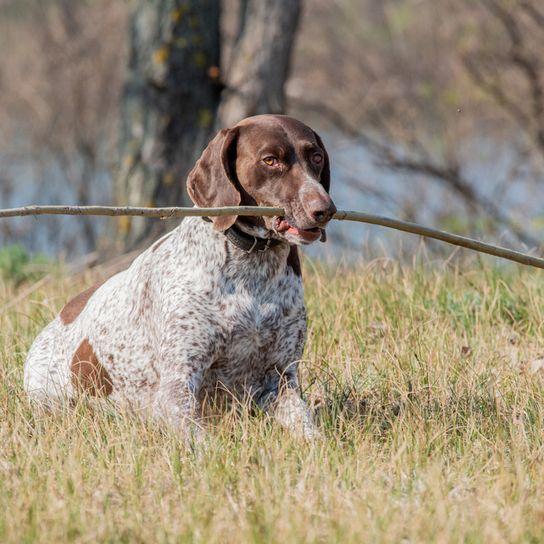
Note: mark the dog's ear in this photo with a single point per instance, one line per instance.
(211, 183)
(326, 172)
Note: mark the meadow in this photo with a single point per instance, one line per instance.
(427, 381)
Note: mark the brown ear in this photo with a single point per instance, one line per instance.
(326, 172)
(211, 182)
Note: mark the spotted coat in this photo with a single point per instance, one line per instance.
(210, 319)
(196, 321)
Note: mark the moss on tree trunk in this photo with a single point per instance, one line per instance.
(169, 105)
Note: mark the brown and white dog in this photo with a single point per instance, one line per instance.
(214, 309)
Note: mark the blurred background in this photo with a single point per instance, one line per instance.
(432, 111)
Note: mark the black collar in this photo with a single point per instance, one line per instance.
(247, 242)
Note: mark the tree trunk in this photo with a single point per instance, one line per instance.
(169, 106)
(172, 93)
(260, 63)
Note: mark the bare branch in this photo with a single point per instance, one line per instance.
(341, 215)
(161, 213)
(535, 15)
(520, 58)
(495, 90)
(443, 236)
(452, 177)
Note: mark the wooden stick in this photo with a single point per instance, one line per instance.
(162, 213)
(454, 239)
(175, 212)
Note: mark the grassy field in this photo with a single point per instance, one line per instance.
(425, 381)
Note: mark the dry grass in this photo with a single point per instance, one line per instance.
(425, 382)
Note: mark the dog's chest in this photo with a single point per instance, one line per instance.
(255, 319)
(261, 328)
(252, 325)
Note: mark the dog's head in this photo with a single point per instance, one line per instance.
(267, 160)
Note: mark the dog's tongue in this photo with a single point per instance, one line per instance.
(283, 225)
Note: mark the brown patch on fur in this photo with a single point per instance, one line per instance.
(293, 261)
(88, 375)
(159, 243)
(70, 312)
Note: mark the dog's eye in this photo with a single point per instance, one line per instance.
(317, 158)
(270, 161)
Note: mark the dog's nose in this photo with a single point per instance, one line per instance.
(321, 209)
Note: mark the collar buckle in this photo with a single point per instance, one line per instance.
(255, 242)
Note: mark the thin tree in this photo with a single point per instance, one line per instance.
(260, 61)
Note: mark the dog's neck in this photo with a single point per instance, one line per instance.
(255, 228)
(250, 238)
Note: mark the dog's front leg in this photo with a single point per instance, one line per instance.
(186, 351)
(176, 401)
(281, 399)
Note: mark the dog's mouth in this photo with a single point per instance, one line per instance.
(307, 236)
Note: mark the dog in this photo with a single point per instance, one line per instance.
(214, 309)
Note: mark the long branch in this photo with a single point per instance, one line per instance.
(360, 217)
(162, 213)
